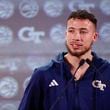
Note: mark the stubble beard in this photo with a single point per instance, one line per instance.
(78, 54)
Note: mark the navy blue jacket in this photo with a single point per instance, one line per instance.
(51, 87)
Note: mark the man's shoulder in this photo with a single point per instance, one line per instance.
(53, 64)
(51, 67)
(104, 66)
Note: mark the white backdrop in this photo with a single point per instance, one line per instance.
(32, 32)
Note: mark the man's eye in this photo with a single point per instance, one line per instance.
(83, 32)
(70, 31)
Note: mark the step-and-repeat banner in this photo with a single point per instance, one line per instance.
(32, 32)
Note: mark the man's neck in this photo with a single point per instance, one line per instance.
(74, 61)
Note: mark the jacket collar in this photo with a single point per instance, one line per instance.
(97, 62)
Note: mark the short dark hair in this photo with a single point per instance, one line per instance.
(83, 14)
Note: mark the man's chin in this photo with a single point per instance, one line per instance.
(77, 54)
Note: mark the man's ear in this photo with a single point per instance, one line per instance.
(96, 35)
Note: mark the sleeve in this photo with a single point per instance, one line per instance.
(32, 98)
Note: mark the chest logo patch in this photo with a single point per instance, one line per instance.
(53, 83)
(98, 84)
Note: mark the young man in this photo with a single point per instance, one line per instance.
(77, 79)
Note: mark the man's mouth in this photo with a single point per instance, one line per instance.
(76, 44)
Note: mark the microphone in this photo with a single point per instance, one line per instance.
(88, 61)
(82, 61)
(80, 64)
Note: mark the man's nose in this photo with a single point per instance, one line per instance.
(76, 36)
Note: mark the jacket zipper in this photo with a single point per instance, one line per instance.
(77, 105)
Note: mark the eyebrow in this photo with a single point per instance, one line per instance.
(79, 28)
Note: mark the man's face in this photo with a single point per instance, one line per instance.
(80, 36)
